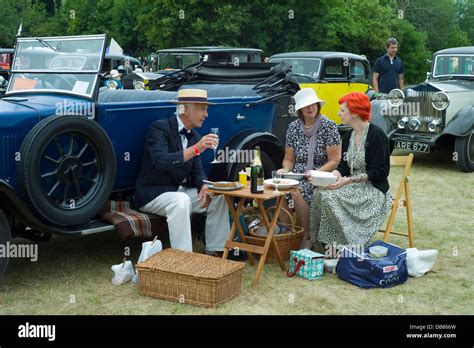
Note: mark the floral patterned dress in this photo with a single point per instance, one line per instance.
(327, 135)
(353, 213)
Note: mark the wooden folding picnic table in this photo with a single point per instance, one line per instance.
(244, 194)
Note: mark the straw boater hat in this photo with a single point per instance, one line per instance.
(305, 97)
(197, 96)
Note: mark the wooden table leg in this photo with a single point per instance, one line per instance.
(271, 226)
(270, 238)
(236, 224)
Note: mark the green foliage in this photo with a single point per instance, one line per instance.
(466, 17)
(440, 21)
(358, 26)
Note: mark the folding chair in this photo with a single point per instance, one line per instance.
(398, 202)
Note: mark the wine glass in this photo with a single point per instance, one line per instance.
(216, 132)
(276, 176)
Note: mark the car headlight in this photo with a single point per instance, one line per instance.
(440, 101)
(138, 85)
(396, 97)
(433, 126)
(414, 124)
(112, 85)
(402, 123)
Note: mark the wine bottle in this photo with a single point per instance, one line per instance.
(256, 174)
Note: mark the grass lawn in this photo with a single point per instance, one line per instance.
(72, 275)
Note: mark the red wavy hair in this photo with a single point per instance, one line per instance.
(358, 103)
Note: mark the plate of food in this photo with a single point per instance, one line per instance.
(282, 183)
(224, 185)
(294, 176)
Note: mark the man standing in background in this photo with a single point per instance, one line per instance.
(389, 70)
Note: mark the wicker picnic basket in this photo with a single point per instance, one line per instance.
(191, 278)
(286, 241)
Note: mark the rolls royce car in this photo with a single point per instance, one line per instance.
(437, 113)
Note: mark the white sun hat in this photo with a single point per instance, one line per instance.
(115, 74)
(305, 97)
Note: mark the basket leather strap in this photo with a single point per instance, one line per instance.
(297, 267)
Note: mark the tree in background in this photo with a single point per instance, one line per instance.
(362, 26)
(439, 20)
(466, 17)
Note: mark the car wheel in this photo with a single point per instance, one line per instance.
(4, 238)
(67, 169)
(464, 148)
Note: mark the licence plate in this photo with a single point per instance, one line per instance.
(412, 146)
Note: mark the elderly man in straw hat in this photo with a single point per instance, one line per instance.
(170, 183)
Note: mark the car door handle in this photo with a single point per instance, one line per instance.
(240, 117)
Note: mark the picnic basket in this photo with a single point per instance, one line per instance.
(286, 241)
(190, 278)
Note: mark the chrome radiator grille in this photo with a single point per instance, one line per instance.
(421, 102)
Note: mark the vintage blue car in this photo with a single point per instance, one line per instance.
(67, 145)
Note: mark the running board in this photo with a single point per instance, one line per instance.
(97, 226)
(93, 227)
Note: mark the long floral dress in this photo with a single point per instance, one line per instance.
(351, 214)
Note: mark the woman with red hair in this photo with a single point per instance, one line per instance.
(354, 208)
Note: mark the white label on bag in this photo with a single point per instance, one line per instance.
(388, 269)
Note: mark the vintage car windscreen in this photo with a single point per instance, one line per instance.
(69, 65)
(454, 65)
(177, 61)
(359, 71)
(304, 66)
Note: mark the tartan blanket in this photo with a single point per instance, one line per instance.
(131, 223)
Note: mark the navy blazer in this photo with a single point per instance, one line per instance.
(163, 168)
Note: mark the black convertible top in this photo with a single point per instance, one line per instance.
(267, 79)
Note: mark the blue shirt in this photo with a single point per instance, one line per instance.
(389, 72)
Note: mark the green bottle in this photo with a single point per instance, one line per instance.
(256, 174)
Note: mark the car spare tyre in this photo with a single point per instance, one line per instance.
(66, 169)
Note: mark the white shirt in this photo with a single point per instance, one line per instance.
(184, 140)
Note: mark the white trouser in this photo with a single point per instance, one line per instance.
(177, 208)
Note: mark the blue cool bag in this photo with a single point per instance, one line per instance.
(366, 271)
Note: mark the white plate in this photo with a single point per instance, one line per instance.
(238, 187)
(294, 176)
(284, 183)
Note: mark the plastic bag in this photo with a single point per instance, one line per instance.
(148, 249)
(420, 261)
(122, 273)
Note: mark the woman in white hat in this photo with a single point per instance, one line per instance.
(312, 142)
